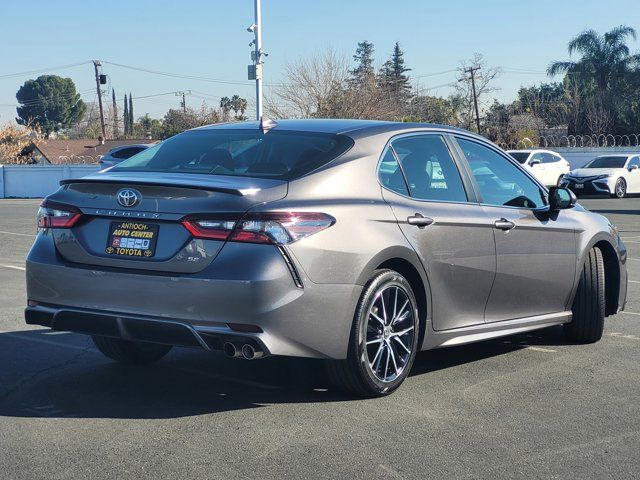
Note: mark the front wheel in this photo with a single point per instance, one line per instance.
(620, 190)
(384, 338)
(588, 308)
(132, 353)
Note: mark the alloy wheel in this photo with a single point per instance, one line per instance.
(621, 188)
(391, 326)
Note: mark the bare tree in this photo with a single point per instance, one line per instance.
(319, 87)
(463, 97)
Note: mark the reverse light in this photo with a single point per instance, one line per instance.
(57, 215)
(279, 228)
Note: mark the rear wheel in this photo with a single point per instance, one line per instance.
(132, 353)
(620, 190)
(589, 305)
(384, 338)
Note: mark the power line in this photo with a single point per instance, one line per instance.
(43, 70)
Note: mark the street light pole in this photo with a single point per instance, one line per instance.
(257, 31)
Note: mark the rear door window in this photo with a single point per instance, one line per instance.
(429, 168)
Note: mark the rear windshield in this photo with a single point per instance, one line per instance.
(521, 157)
(607, 162)
(249, 153)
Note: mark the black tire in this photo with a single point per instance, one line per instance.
(620, 189)
(559, 180)
(588, 307)
(131, 353)
(354, 375)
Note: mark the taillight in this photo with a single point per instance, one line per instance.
(57, 215)
(280, 228)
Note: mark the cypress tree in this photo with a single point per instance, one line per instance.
(126, 116)
(130, 114)
(115, 113)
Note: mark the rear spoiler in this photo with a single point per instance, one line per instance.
(195, 186)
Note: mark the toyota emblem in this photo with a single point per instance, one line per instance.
(128, 197)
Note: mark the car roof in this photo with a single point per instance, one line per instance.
(335, 126)
(531, 150)
(120, 147)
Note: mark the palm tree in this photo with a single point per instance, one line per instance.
(605, 58)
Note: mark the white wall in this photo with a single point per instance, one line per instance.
(36, 181)
(578, 156)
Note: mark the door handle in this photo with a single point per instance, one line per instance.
(419, 220)
(504, 224)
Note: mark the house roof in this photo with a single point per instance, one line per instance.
(80, 151)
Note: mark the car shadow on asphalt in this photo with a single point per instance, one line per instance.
(63, 376)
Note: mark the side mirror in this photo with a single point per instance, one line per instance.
(633, 167)
(561, 198)
(534, 161)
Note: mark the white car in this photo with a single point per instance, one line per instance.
(615, 175)
(546, 166)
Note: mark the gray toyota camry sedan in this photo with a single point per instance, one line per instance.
(358, 242)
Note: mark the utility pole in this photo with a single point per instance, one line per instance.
(183, 103)
(100, 80)
(255, 70)
(472, 71)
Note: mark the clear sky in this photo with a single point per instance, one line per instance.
(209, 39)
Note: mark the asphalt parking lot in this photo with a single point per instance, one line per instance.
(525, 406)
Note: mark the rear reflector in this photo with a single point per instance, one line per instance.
(279, 228)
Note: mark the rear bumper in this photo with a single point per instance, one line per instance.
(136, 328)
(246, 284)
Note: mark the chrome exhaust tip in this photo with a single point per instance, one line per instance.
(250, 353)
(231, 351)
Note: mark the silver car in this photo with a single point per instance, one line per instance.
(123, 152)
(358, 242)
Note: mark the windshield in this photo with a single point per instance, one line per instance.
(250, 153)
(521, 157)
(607, 162)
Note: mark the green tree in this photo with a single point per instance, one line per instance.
(116, 131)
(362, 73)
(239, 106)
(130, 113)
(604, 64)
(50, 102)
(126, 116)
(392, 75)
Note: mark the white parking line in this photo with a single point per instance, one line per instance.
(13, 267)
(540, 349)
(634, 281)
(19, 234)
(630, 313)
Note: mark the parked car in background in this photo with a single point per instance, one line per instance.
(546, 166)
(118, 154)
(357, 242)
(615, 175)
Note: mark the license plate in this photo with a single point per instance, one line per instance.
(579, 185)
(132, 239)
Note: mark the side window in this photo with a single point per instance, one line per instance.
(536, 156)
(390, 174)
(635, 161)
(429, 168)
(549, 158)
(500, 181)
(127, 152)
